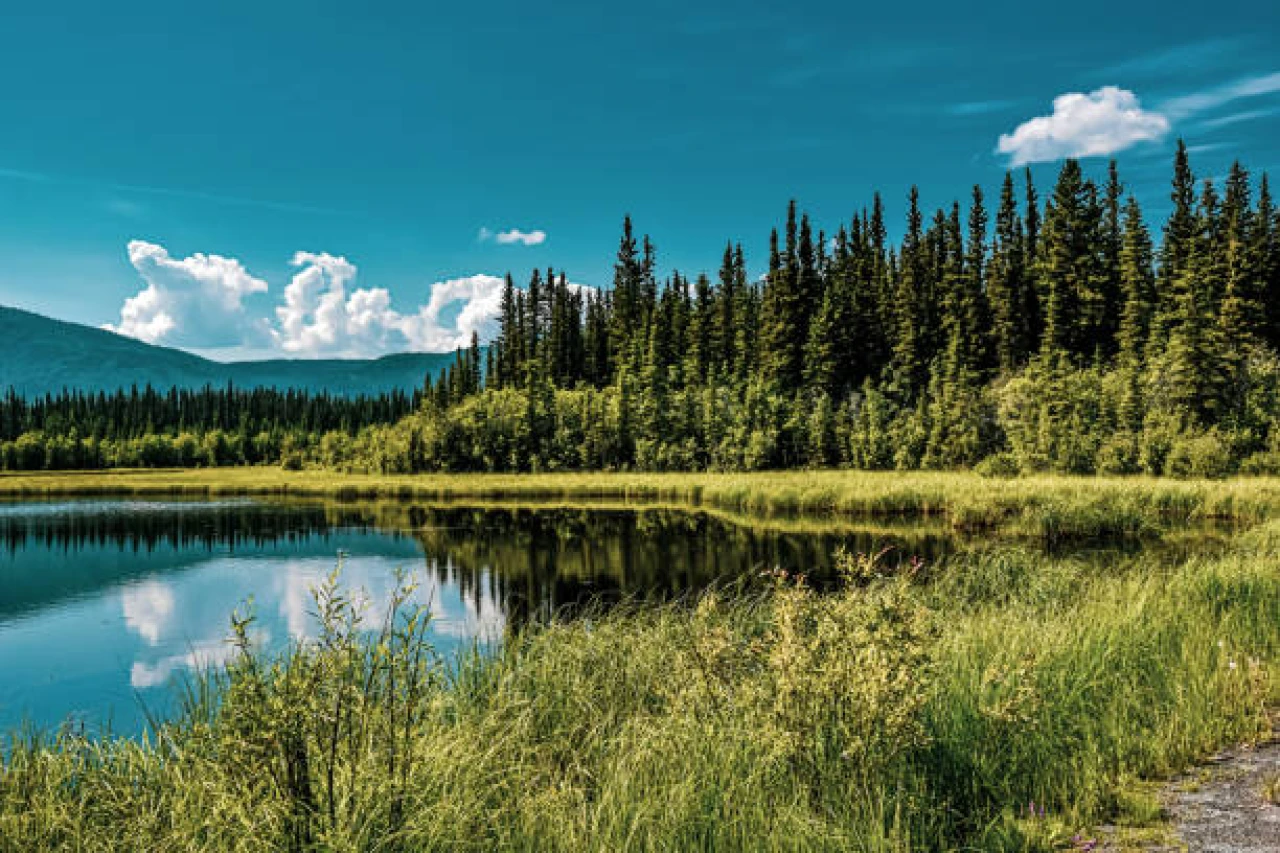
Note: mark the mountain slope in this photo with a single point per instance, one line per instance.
(40, 355)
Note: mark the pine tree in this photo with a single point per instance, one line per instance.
(1111, 241)
(1070, 268)
(1264, 259)
(974, 311)
(725, 322)
(1137, 283)
(809, 285)
(1242, 315)
(625, 311)
(747, 320)
(782, 336)
(910, 358)
(1011, 296)
(1194, 368)
(1179, 238)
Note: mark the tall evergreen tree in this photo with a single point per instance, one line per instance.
(1242, 315)
(910, 357)
(1010, 293)
(1137, 283)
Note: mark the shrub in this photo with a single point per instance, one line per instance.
(1120, 454)
(1203, 455)
(1265, 463)
(1003, 464)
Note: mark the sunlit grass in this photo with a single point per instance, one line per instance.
(928, 709)
(1053, 509)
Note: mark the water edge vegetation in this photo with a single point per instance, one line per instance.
(1004, 697)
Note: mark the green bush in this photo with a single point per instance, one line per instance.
(1120, 454)
(1205, 455)
(1003, 464)
(1264, 463)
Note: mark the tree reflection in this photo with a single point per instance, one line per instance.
(533, 561)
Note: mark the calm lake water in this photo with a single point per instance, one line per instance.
(105, 603)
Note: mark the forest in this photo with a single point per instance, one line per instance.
(179, 428)
(1025, 335)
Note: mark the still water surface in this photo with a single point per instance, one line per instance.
(104, 604)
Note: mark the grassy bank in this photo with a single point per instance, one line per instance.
(926, 710)
(1051, 507)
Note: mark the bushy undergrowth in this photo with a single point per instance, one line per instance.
(917, 707)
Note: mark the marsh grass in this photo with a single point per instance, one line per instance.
(1055, 510)
(1002, 699)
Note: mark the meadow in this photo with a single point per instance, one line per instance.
(1011, 695)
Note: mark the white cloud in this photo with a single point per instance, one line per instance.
(507, 238)
(1102, 122)
(196, 301)
(200, 656)
(1247, 87)
(148, 609)
(478, 303)
(320, 317)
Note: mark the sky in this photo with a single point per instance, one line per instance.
(279, 179)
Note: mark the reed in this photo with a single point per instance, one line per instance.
(1003, 699)
(1052, 508)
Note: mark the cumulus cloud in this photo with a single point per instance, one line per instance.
(322, 317)
(1101, 122)
(199, 302)
(513, 236)
(195, 301)
(319, 318)
(200, 656)
(148, 609)
(475, 303)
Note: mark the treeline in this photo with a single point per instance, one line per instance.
(182, 428)
(1044, 335)
(1025, 335)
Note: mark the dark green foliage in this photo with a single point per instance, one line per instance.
(1061, 339)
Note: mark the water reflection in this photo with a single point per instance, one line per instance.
(103, 603)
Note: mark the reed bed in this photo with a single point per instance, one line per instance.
(1051, 508)
(1002, 699)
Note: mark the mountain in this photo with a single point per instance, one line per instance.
(41, 355)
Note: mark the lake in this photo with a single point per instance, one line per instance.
(106, 604)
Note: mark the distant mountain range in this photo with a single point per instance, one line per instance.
(40, 355)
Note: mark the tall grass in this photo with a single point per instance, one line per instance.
(1051, 507)
(919, 707)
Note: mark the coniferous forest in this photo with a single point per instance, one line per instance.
(1014, 334)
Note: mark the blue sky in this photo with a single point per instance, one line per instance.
(341, 179)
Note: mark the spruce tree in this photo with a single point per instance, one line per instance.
(910, 365)
(1137, 283)
(1179, 238)
(782, 336)
(1011, 297)
(1111, 241)
(1265, 260)
(1242, 316)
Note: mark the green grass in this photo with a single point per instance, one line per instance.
(1053, 509)
(925, 710)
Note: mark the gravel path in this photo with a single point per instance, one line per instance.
(1227, 813)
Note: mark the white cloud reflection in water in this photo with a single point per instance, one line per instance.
(184, 623)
